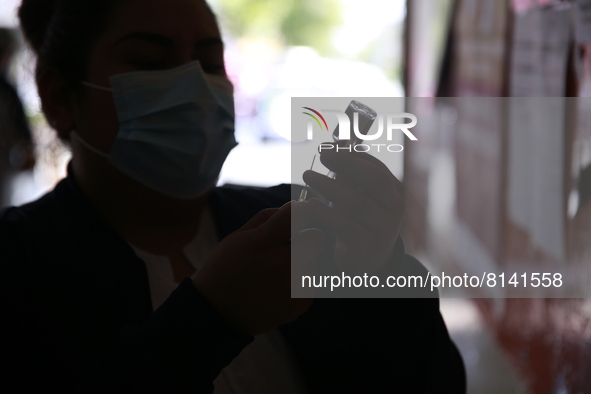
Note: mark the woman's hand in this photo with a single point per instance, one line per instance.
(367, 209)
(248, 276)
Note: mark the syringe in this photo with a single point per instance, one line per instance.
(304, 192)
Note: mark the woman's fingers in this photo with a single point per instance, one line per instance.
(367, 207)
(355, 235)
(365, 172)
(277, 226)
(355, 204)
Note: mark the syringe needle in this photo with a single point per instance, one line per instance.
(304, 192)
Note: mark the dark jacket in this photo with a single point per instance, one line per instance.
(77, 315)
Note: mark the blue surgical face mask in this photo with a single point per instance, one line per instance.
(176, 128)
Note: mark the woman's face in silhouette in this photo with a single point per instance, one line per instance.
(144, 35)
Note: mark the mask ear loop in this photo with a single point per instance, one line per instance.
(88, 146)
(77, 136)
(91, 85)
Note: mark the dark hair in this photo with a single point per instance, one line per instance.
(62, 32)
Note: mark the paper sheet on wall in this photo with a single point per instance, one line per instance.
(582, 19)
(521, 166)
(480, 48)
(540, 53)
(524, 5)
(536, 171)
(525, 73)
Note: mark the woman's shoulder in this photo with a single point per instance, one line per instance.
(52, 209)
(55, 222)
(22, 222)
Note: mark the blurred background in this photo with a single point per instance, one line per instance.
(474, 198)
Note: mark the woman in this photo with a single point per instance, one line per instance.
(138, 87)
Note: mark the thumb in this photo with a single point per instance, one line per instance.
(307, 244)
